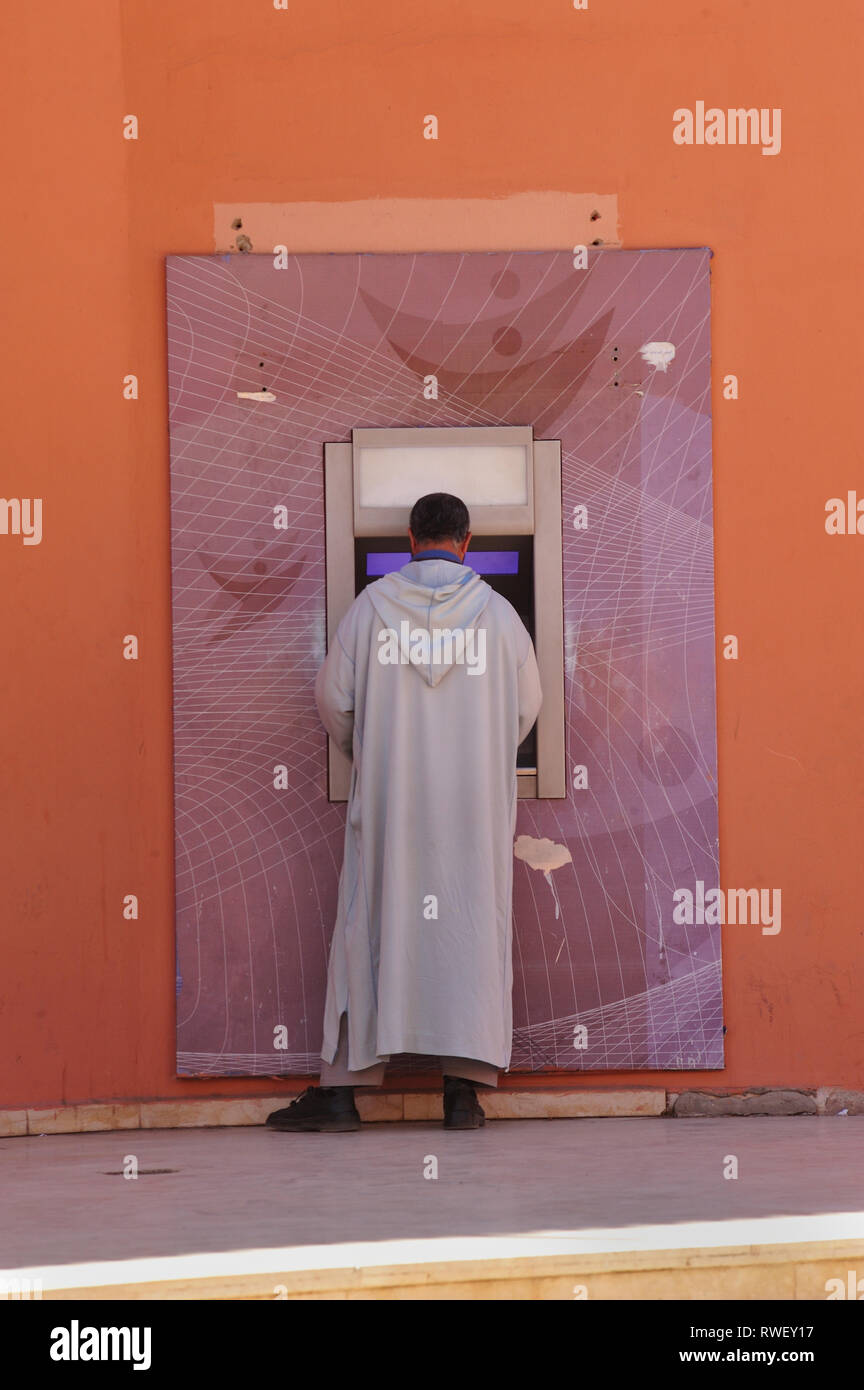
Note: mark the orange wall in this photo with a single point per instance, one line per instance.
(323, 103)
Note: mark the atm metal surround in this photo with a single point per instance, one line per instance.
(511, 484)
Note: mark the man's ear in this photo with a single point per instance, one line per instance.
(465, 544)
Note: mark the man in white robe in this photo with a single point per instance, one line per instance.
(429, 686)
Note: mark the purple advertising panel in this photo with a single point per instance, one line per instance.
(269, 358)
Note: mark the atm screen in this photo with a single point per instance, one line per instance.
(381, 562)
(505, 562)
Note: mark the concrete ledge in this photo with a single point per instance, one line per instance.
(759, 1101)
(81, 1119)
(379, 1107)
(545, 1105)
(473, 1269)
(383, 1107)
(832, 1100)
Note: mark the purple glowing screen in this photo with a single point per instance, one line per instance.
(381, 562)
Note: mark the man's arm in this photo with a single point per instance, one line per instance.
(530, 694)
(334, 692)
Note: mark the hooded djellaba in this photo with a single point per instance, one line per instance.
(429, 686)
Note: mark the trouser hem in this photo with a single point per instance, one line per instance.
(338, 1073)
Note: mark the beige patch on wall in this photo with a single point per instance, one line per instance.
(521, 222)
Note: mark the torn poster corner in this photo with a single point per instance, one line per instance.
(657, 354)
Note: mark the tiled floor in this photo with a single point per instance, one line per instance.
(65, 1201)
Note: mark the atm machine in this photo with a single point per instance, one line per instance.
(511, 485)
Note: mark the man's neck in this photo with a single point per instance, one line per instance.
(437, 552)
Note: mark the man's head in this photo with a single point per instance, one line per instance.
(439, 521)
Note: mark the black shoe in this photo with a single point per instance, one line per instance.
(327, 1108)
(461, 1108)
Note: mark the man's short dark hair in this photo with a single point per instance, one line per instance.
(439, 516)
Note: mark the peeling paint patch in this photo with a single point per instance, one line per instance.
(543, 221)
(657, 354)
(545, 856)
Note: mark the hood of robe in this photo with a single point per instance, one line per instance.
(429, 597)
